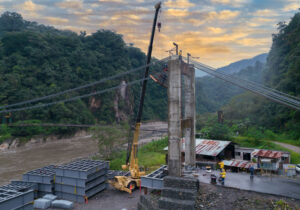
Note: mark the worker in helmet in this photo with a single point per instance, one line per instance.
(223, 176)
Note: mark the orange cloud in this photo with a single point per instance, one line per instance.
(56, 20)
(291, 7)
(69, 4)
(177, 13)
(216, 30)
(179, 4)
(250, 42)
(30, 6)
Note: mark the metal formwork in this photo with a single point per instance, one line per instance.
(81, 168)
(13, 199)
(16, 184)
(28, 206)
(42, 175)
(23, 186)
(79, 182)
(155, 179)
(80, 190)
(46, 188)
(80, 198)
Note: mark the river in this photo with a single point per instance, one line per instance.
(14, 163)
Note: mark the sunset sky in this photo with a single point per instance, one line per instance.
(219, 31)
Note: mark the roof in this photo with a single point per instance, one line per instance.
(211, 147)
(267, 153)
(207, 147)
(239, 163)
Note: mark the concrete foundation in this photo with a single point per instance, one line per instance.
(174, 116)
(179, 193)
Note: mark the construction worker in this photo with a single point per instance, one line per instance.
(221, 164)
(251, 169)
(223, 172)
(223, 176)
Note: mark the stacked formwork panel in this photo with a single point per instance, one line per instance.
(44, 177)
(81, 179)
(18, 198)
(22, 186)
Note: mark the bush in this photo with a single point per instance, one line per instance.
(28, 131)
(4, 133)
(217, 131)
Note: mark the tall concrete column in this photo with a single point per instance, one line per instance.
(189, 114)
(174, 116)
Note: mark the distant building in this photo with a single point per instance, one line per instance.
(236, 158)
(210, 152)
(270, 159)
(264, 159)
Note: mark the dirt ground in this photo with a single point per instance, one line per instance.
(217, 197)
(210, 197)
(111, 199)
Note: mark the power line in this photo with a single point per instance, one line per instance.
(73, 125)
(286, 96)
(74, 98)
(83, 86)
(276, 96)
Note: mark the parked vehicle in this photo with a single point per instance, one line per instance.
(208, 169)
(298, 168)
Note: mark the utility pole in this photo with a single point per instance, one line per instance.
(176, 46)
(190, 56)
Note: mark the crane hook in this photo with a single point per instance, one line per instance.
(159, 26)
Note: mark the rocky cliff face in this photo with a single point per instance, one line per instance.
(123, 103)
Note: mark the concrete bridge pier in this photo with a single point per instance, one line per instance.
(174, 116)
(189, 126)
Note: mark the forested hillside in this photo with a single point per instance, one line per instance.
(37, 60)
(213, 93)
(237, 66)
(282, 72)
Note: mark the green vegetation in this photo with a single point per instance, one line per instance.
(4, 133)
(110, 139)
(281, 73)
(37, 60)
(151, 156)
(251, 120)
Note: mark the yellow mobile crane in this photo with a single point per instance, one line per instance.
(129, 183)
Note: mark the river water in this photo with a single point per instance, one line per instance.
(15, 162)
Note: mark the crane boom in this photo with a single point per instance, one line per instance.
(129, 183)
(133, 166)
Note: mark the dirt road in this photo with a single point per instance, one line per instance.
(288, 146)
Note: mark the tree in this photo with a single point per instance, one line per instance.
(11, 21)
(110, 139)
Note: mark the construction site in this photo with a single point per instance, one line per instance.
(197, 173)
